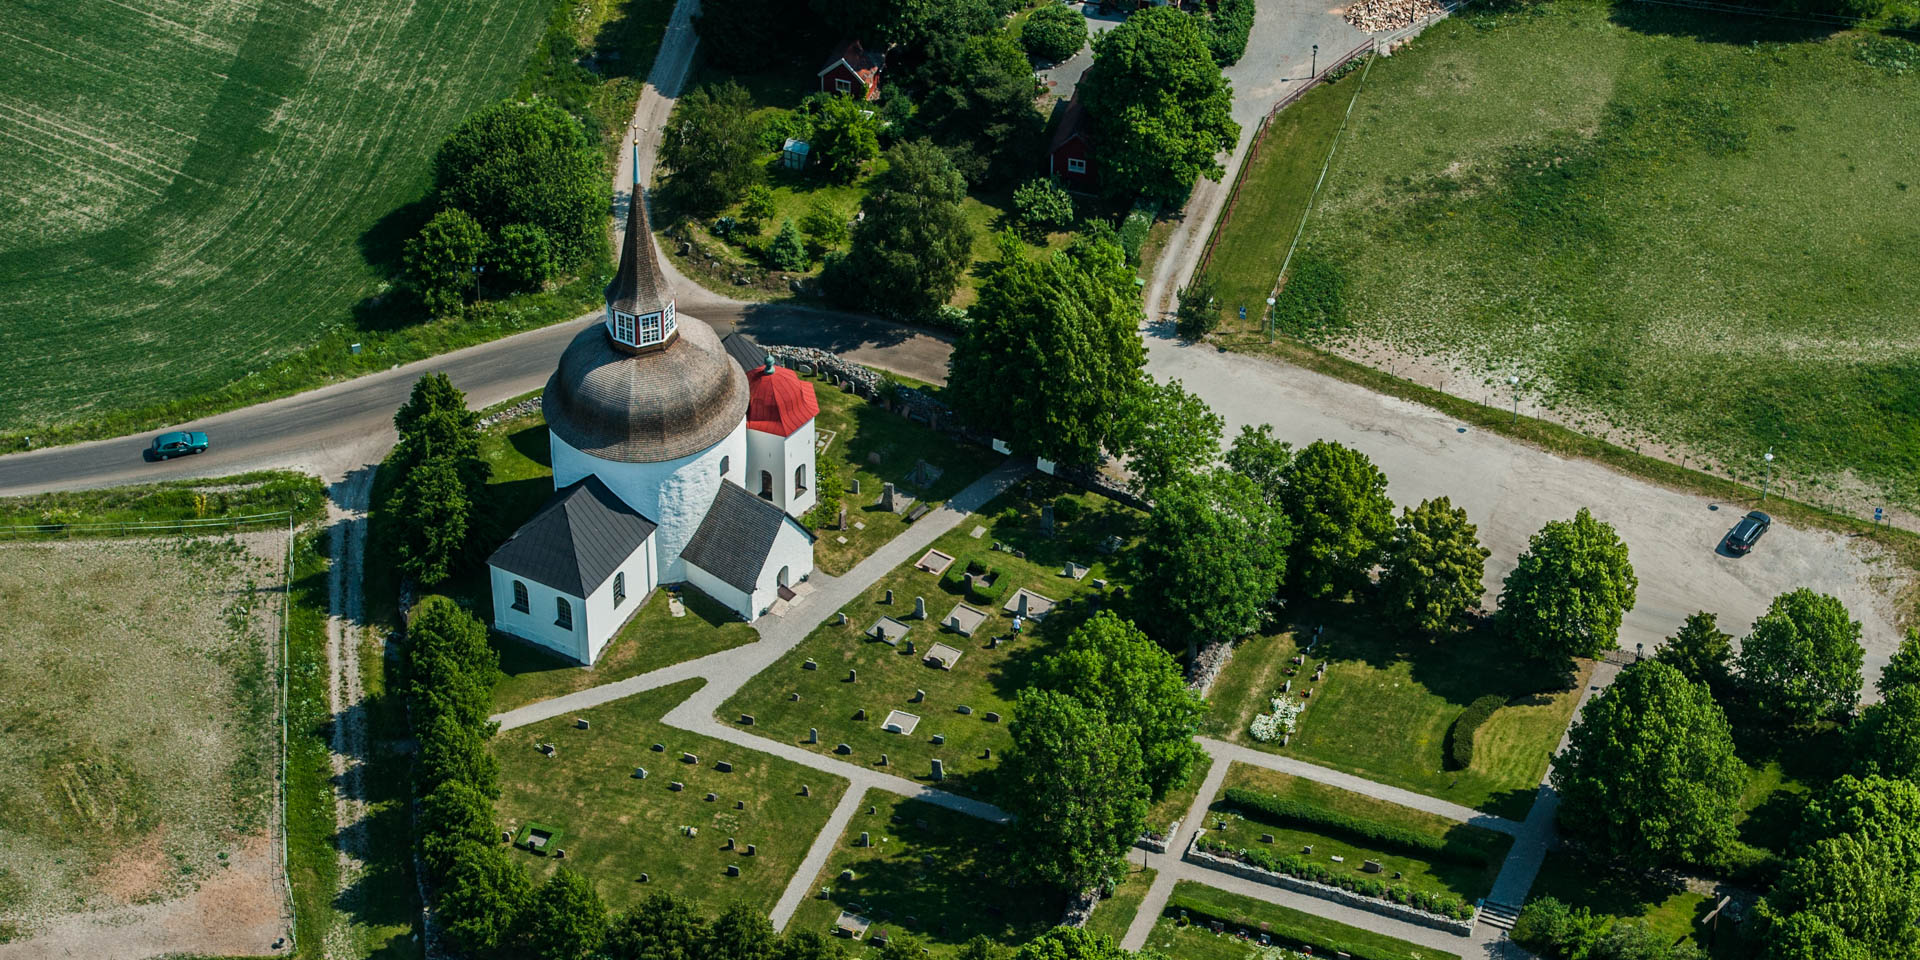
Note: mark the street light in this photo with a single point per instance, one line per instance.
(1269, 319)
(1768, 478)
(477, 271)
(1514, 382)
(1315, 69)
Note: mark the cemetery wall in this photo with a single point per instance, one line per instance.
(1387, 908)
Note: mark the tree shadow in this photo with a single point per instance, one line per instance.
(1772, 824)
(833, 330)
(1716, 27)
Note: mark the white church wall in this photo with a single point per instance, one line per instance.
(793, 552)
(674, 494)
(766, 451)
(799, 452)
(739, 601)
(604, 617)
(537, 624)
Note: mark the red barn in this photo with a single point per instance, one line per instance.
(1070, 156)
(852, 71)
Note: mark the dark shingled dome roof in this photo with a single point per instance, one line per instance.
(646, 407)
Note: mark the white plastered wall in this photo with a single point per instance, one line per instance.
(596, 619)
(674, 494)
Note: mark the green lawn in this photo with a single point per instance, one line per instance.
(1174, 805)
(1388, 700)
(860, 431)
(618, 827)
(984, 679)
(225, 185)
(654, 638)
(1115, 914)
(66, 513)
(1244, 829)
(1668, 909)
(1622, 203)
(1289, 928)
(930, 872)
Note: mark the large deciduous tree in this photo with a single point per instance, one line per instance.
(1801, 662)
(1213, 555)
(709, 147)
(740, 932)
(1435, 565)
(1054, 32)
(1071, 943)
(1853, 890)
(1570, 590)
(1160, 110)
(438, 262)
(909, 251)
(1075, 784)
(846, 137)
(1886, 738)
(1051, 360)
(662, 927)
(528, 162)
(1110, 665)
(1649, 773)
(976, 103)
(1701, 651)
(1337, 502)
(483, 898)
(1261, 457)
(1903, 669)
(565, 919)
(1170, 435)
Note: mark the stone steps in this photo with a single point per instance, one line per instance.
(1499, 915)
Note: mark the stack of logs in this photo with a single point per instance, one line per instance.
(1376, 16)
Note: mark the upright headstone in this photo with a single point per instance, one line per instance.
(733, 869)
(1022, 611)
(840, 619)
(919, 608)
(853, 675)
(860, 714)
(918, 695)
(639, 773)
(806, 791)
(939, 771)
(750, 850)
(856, 484)
(886, 497)
(865, 841)
(1046, 519)
(889, 600)
(843, 517)
(883, 759)
(813, 734)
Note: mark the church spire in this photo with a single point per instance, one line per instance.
(639, 300)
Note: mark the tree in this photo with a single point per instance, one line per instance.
(480, 903)
(1570, 590)
(1801, 662)
(981, 948)
(846, 136)
(431, 394)
(1904, 667)
(904, 946)
(522, 257)
(807, 945)
(740, 932)
(1886, 739)
(909, 251)
(1649, 773)
(1041, 204)
(1337, 502)
(786, 251)
(1071, 943)
(1700, 650)
(977, 105)
(453, 814)
(1053, 350)
(439, 260)
(451, 668)
(1261, 457)
(825, 224)
(1853, 890)
(450, 752)
(1109, 665)
(1170, 435)
(1074, 784)
(1213, 554)
(1159, 107)
(434, 516)
(663, 927)
(1228, 23)
(565, 919)
(528, 162)
(748, 34)
(757, 208)
(1435, 565)
(710, 146)
(1197, 315)
(909, 23)
(1054, 32)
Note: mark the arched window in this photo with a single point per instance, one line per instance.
(799, 479)
(520, 596)
(562, 613)
(766, 485)
(725, 463)
(619, 588)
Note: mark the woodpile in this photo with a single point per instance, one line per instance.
(1377, 16)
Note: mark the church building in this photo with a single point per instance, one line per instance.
(676, 459)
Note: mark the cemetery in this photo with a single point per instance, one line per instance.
(1387, 701)
(1203, 923)
(695, 817)
(892, 653)
(924, 870)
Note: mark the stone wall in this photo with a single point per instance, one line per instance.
(1207, 664)
(1080, 908)
(1158, 842)
(1386, 908)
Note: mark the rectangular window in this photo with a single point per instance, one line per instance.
(843, 86)
(649, 329)
(619, 589)
(1076, 165)
(623, 327)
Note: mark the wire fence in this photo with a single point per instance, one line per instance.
(123, 528)
(1794, 16)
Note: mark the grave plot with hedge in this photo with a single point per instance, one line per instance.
(1193, 907)
(1467, 846)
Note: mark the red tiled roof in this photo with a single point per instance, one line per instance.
(779, 402)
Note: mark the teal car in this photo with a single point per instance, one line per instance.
(179, 443)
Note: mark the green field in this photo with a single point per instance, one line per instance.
(617, 827)
(204, 197)
(1289, 928)
(1691, 228)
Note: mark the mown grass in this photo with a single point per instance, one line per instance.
(1244, 829)
(618, 827)
(1290, 928)
(213, 204)
(1678, 226)
(1115, 914)
(62, 514)
(985, 679)
(1668, 909)
(930, 872)
(1384, 709)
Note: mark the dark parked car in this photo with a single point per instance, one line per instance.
(1747, 532)
(178, 444)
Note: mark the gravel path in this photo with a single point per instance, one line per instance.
(347, 503)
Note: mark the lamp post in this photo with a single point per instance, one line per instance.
(1314, 70)
(1514, 382)
(477, 271)
(1769, 476)
(1269, 319)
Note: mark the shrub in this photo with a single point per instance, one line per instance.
(757, 209)
(985, 592)
(1197, 316)
(825, 224)
(1066, 509)
(1460, 735)
(523, 257)
(1470, 848)
(1057, 31)
(1227, 30)
(1133, 232)
(1040, 205)
(439, 261)
(1297, 866)
(787, 252)
(1203, 911)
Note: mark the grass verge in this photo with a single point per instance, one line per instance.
(119, 510)
(1287, 927)
(1114, 915)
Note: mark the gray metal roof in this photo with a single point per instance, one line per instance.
(647, 407)
(639, 288)
(576, 540)
(744, 351)
(734, 540)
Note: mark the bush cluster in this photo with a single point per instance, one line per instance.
(1055, 32)
(1460, 735)
(1227, 28)
(1294, 865)
(1469, 849)
(1133, 232)
(1557, 931)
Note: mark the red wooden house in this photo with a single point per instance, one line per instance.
(853, 71)
(1070, 156)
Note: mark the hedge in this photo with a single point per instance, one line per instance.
(1460, 735)
(1283, 935)
(1294, 865)
(1474, 848)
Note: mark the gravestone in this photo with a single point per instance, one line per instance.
(991, 717)
(856, 484)
(839, 620)
(860, 714)
(639, 773)
(809, 664)
(547, 749)
(846, 874)
(689, 758)
(746, 719)
(733, 870)
(986, 754)
(644, 878)
(1046, 519)
(865, 841)
(676, 786)
(813, 734)
(963, 710)
(1286, 687)
(843, 519)
(883, 759)
(729, 845)
(582, 724)
(1266, 838)
(889, 600)
(739, 804)
(939, 739)
(887, 501)
(939, 770)
(853, 676)
(723, 766)
(993, 643)
(659, 748)
(750, 850)
(918, 696)
(711, 797)
(919, 608)
(843, 749)
(1022, 598)
(909, 648)
(1370, 866)
(806, 791)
